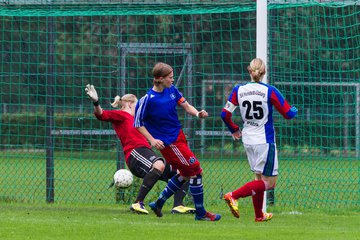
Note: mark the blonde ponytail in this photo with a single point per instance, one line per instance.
(119, 101)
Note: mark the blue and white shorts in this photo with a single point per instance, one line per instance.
(263, 158)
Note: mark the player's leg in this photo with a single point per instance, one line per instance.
(179, 195)
(197, 192)
(180, 157)
(144, 163)
(258, 199)
(174, 183)
(150, 179)
(267, 165)
(254, 188)
(262, 161)
(245, 190)
(179, 206)
(173, 186)
(188, 165)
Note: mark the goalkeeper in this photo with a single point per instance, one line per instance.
(256, 101)
(141, 160)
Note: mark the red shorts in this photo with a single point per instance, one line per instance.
(179, 155)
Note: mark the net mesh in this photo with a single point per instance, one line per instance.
(54, 149)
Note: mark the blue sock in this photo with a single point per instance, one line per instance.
(173, 185)
(197, 191)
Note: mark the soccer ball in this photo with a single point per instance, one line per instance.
(123, 178)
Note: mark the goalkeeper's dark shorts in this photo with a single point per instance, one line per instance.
(141, 161)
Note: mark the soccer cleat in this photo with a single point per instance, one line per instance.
(182, 209)
(233, 205)
(156, 210)
(139, 208)
(208, 217)
(265, 218)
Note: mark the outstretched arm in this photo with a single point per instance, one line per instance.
(93, 96)
(98, 110)
(193, 111)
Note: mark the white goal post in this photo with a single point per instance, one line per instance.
(262, 43)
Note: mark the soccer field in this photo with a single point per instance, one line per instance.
(57, 159)
(58, 221)
(84, 178)
(307, 206)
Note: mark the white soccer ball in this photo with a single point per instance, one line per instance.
(123, 178)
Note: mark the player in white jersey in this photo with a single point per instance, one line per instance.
(256, 101)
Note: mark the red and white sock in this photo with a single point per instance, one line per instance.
(249, 189)
(255, 189)
(258, 200)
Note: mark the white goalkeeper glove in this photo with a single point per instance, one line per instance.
(91, 92)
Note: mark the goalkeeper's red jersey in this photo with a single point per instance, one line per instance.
(122, 123)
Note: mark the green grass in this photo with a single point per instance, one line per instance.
(315, 198)
(62, 221)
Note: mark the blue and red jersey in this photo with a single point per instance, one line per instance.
(256, 101)
(157, 113)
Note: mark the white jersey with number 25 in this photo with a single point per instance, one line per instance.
(254, 109)
(256, 101)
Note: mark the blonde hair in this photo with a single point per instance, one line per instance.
(257, 69)
(119, 101)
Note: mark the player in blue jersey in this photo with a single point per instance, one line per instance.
(256, 101)
(141, 160)
(157, 119)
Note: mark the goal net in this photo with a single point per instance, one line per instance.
(51, 49)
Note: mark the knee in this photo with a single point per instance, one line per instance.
(270, 186)
(269, 183)
(196, 180)
(159, 165)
